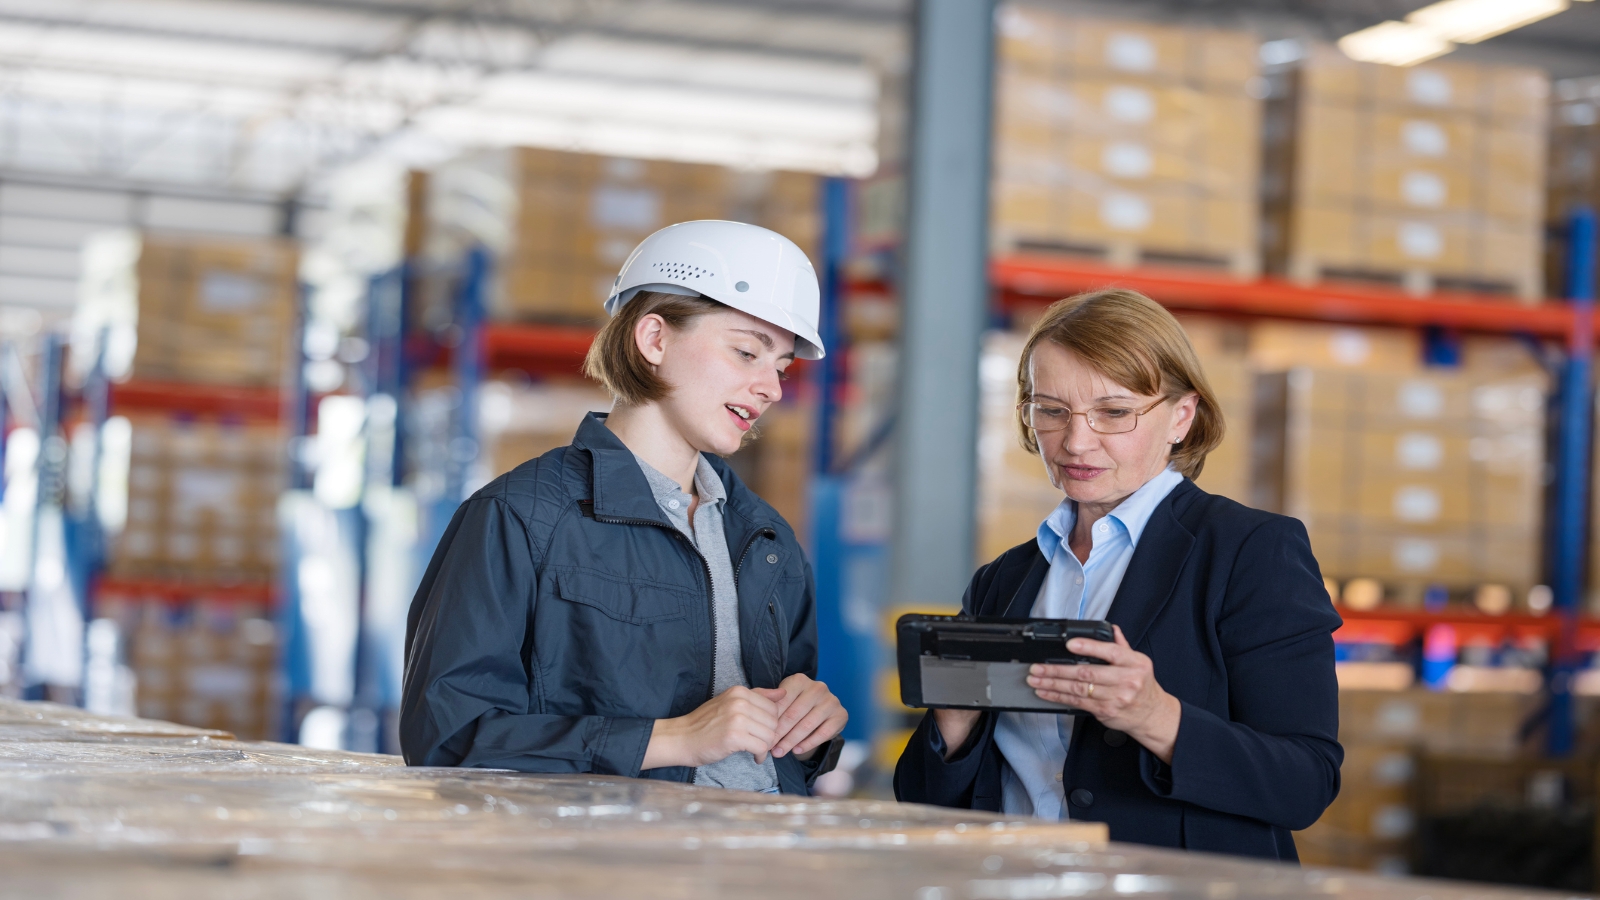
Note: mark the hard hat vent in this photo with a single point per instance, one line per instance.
(682, 270)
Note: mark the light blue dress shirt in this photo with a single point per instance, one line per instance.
(1034, 745)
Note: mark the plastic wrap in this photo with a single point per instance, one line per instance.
(98, 807)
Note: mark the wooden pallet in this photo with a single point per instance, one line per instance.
(1243, 263)
(1418, 281)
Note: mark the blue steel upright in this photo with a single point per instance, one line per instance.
(1572, 475)
(847, 653)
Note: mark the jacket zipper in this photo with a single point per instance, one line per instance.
(711, 596)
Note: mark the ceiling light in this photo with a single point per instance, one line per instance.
(1394, 44)
(1471, 21)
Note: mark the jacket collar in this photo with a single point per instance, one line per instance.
(620, 490)
(1153, 571)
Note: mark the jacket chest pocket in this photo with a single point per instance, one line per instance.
(626, 602)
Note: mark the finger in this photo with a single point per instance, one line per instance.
(826, 732)
(800, 708)
(1122, 640)
(1051, 670)
(765, 715)
(802, 729)
(777, 695)
(1096, 649)
(761, 701)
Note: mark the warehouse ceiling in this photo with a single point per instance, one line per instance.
(228, 115)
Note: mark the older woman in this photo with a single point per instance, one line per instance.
(1213, 723)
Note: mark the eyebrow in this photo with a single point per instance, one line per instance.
(1096, 400)
(764, 338)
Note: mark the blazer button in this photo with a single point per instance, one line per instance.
(1081, 797)
(1114, 737)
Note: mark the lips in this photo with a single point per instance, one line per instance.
(1081, 473)
(743, 416)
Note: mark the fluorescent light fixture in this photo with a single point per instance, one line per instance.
(1471, 21)
(1394, 44)
(1436, 29)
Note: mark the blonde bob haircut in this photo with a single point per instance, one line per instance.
(614, 359)
(1133, 341)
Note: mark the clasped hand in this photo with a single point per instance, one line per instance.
(797, 716)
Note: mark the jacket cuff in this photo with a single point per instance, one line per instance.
(823, 761)
(964, 758)
(1162, 778)
(621, 746)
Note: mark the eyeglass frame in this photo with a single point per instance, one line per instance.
(1087, 417)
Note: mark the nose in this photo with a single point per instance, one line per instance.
(769, 387)
(1078, 437)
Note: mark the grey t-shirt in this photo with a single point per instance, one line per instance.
(740, 771)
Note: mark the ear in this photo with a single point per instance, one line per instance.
(650, 336)
(1183, 416)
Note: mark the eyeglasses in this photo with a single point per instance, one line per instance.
(1044, 418)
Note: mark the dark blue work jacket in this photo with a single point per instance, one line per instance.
(562, 614)
(1229, 605)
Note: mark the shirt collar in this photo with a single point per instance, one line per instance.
(1133, 514)
(706, 482)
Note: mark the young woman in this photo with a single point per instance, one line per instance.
(624, 605)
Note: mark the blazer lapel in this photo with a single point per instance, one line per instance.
(1020, 606)
(1152, 572)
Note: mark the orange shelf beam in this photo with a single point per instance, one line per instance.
(185, 591)
(198, 399)
(1022, 280)
(536, 349)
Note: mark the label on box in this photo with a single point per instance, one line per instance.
(1420, 240)
(1125, 212)
(1424, 138)
(1130, 52)
(1419, 450)
(1129, 104)
(1127, 159)
(230, 292)
(1420, 399)
(1415, 503)
(1423, 189)
(1415, 555)
(1428, 87)
(637, 209)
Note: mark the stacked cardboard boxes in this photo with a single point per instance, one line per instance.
(1385, 734)
(1132, 140)
(202, 502)
(1425, 176)
(1421, 478)
(210, 663)
(188, 309)
(561, 224)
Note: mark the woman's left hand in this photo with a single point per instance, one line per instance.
(809, 716)
(1123, 694)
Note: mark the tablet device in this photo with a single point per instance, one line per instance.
(956, 662)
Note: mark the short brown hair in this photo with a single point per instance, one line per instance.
(614, 359)
(1135, 342)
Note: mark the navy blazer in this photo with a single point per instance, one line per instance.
(1228, 603)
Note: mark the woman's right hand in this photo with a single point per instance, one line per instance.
(955, 726)
(737, 719)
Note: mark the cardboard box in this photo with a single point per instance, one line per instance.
(1125, 139)
(1413, 478)
(561, 224)
(1424, 177)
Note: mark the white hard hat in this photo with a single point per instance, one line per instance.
(747, 267)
